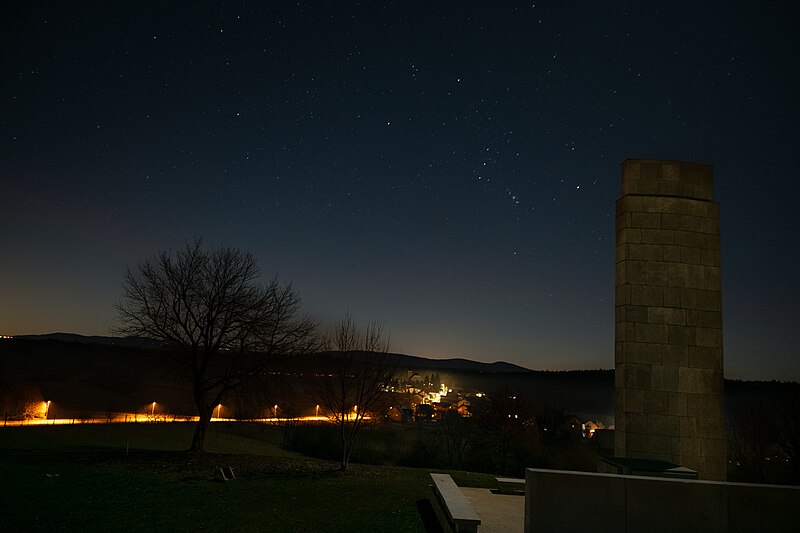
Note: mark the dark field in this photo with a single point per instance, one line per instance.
(80, 478)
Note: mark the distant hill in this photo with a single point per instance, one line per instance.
(81, 374)
(127, 342)
(403, 360)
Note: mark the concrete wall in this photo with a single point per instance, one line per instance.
(668, 350)
(565, 501)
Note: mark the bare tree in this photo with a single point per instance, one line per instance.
(360, 368)
(224, 324)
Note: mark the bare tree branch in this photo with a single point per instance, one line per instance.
(360, 368)
(210, 305)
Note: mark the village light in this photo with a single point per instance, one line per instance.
(46, 409)
(219, 409)
(275, 411)
(316, 413)
(153, 409)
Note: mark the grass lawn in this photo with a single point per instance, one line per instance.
(133, 477)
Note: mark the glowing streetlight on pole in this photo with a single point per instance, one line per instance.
(219, 410)
(275, 411)
(46, 409)
(317, 411)
(153, 410)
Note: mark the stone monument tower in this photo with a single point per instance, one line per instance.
(668, 349)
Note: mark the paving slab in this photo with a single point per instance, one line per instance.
(499, 513)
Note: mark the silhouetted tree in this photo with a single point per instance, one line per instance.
(458, 435)
(502, 425)
(224, 324)
(20, 400)
(787, 430)
(359, 370)
(750, 438)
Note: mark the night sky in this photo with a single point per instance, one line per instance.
(449, 168)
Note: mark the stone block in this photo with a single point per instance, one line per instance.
(651, 172)
(688, 297)
(708, 241)
(678, 275)
(695, 276)
(648, 443)
(680, 335)
(714, 447)
(672, 253)
(688, 427)
(691, 447)
(672, 296)
(635, 423)
(696, 208)
(690, 255)
(674, 221)
(657, 236)
(708, 225)
(623, 219)
(709, 257)
(656, 272)
(711, 277)
(703, 405)
(656, 402)
(645, 220)
(657, 425)
(707, 319)
(632, 400)
(642, 352)
(703, 357)
(646, 295)
(667, 315)
(667, 204)
(622, 295)
(652, 333)
(677, 404)
(684, 238)
(637, 376)
(707, 300)
(709, 337)
(668, 426)
(621, 253)
(633, 313)
(629, 235)
(645, 252)
(635, 272)
(690, 380)
(674, 355)
(625, 331)
(708, 427)
(664, 378)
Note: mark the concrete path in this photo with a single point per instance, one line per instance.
(499, 513)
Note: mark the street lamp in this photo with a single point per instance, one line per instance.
(219, 410)
(47, 409)
(275, 411)
(153, 410)
(317, 411)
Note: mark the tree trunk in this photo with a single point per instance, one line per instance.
(345, 455)
(204, 419)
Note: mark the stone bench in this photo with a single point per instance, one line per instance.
(453, 510)
(510, 485)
